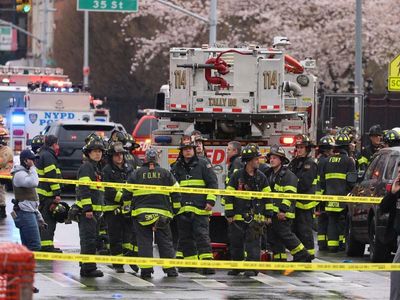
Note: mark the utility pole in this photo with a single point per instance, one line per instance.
(86, 69)
(212, 21)
(45, 33)
(359, 85)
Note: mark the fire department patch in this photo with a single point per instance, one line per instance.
(33, 118)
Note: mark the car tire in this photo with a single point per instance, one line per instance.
(378, 251)
(354, 248)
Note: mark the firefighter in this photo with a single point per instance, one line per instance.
(152, 211)
(246, 215)
(375, 138)
(130, 146)
(392, 138)
(280, 234)
(6, 164)
(193, 217)
(233, 152)
(118, 220)
(90, 200)
(333, 182)
(305, 168)
(200, 150)
(37, 143)
(49, 193)
(325, 150)
(352, 133)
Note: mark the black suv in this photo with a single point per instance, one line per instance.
(365, 223)
(71, 138)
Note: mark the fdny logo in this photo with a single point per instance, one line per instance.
(33, 118)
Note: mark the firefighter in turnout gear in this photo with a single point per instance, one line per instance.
(247, 215)
(375, 137)
(325, 150)
(6, 164)
(37, 143)
(90, 201)
(116, 212)
(305, 168)
(49, 193)
(129, 145)
(193, 217)
(392, 138)
(152, 211)
(333, 182)
(280, 234)
(233, 152)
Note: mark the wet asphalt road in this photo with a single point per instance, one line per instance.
(61, 280)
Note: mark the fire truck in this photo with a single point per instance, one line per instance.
(38, 99)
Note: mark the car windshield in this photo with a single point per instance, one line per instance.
(71, 133)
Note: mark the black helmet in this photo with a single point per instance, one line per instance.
(94, 142)
(249, 152)
(130, 142)
(278, 151)
(59, 211)
(342, 139)
(118, 136)
(90, 137)
(115, 147)
(302, 139)
(187, 144)
(375, 130)
(349, 130)
(37, 142)
(326, 141)
(392, 138)
(151, 155)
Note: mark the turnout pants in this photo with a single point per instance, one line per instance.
(88, 234)
(241, 239)
(281, 237)
(323, 230)
(395, 276)
(336, 227)
(194, 236)
(47, 235)
(162, 237)
(303, 228)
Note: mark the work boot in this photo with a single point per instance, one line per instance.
(50, 249)
(92, 273)
(134, 268)
(3, 214)
(250, 273)
(145, 274)
(171, 272)
(186, 270)
(207, 271)
(302, 256)
(119, 268)
(234, 272)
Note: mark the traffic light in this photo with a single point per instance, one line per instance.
(23, 6)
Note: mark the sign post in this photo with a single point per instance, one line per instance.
(394, 75)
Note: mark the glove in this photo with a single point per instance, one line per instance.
(42, 224)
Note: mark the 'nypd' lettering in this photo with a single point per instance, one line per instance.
(50, 116)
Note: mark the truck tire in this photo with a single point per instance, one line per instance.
(354, 248)
(378, 251)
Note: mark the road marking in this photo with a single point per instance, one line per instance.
(323, 277)
(210, 283)
(272, 281)
(191, 275)
(127, 278)
(61, 280)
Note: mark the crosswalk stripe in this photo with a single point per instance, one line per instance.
(191, 275)
(323, 277)
(127, 278)
(61, 280)
(210, 283)
(272, 281)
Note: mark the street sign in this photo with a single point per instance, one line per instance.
(8, 38)
(394, 75)
(108, 5)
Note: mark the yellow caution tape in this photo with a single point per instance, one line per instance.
(177, 189)
(218, 264)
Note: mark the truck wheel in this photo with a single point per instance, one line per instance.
(354, 248)
(378, 251)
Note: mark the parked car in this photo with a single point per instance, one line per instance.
(71, 138)
(365, 224)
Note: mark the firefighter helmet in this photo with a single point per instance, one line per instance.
(151, 155)
(37, 143)
(118, 136)
(302, 139)
(115, 147)
(94, 142)
(249, 152)
(278, 151)
(187, 144)
(59, 211)
(130, 142)
(342, 139)
(3, 133)
(349, 130)
(375, 130)
(326, 141)
(90, 137)
(392, 138)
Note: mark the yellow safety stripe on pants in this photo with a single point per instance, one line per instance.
(206, 256)
(193, 257)
(290, 215)
(322, 237)
(128, 246)
(311, 251)
(195, 210)
(217, 264)
(269, 206)
(149, 210)
(333, 243)
(95, 207)
(297, 249)
(44, 193)
(307, 205)
(148, 192)
(221, 192)
(135, 248)
(46, 243)
(192, 182)
(287, 202)
(335, 176)
(280, 256)
(179, 254)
